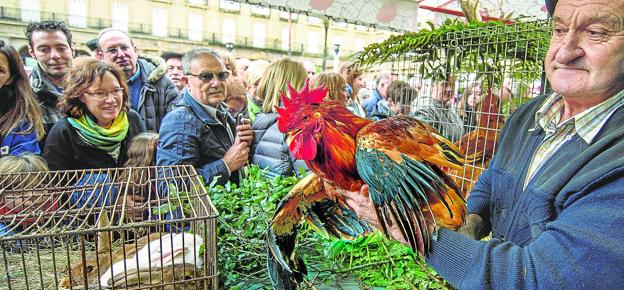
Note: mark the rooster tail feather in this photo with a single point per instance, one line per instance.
(285, 269)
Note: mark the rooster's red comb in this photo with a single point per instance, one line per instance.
(298, 99)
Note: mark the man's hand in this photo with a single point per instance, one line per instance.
(237, 156)
(244, 132)
(475, 227)
(363, 206)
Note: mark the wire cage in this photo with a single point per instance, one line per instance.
(467, 82)
(120, 228)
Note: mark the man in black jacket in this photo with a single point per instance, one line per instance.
(152, 94)
(50, 43)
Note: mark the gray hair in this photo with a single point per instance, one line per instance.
(195, 53)
(107, 30)
(383, 76)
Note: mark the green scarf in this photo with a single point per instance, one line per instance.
(105, 139)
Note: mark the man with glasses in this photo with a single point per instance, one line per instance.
(200, 131)
(50, 43)
(152, 94)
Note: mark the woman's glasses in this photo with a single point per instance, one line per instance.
(208, 76)
(101, 95)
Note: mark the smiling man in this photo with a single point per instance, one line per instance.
(200, 131)
(50, 43)
(152, 94)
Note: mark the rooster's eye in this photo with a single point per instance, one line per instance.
(306, 117)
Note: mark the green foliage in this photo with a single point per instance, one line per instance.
(379, 262)
(479, 47)
(245, 213)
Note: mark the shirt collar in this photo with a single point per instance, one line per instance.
(135, 75)
(586, 124)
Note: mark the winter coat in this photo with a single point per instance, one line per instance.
(16, 143)
(65, 150)
(158, 94)
(270, 150)
(563, 231)
(189, 135)
(48, 97)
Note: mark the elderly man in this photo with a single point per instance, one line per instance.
(50, 43)
(152, 94)
(200, 131)
(173, 60)
(552, 195)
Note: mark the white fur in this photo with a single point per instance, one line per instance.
(150, 255)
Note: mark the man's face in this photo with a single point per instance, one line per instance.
(116, 47)
(445, 92)
(585, 61)
(208, 92)
(53, 53)
(174, 72)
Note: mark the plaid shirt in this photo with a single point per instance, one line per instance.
(586, 125)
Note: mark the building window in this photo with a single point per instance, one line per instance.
(259, 34)
(285, 38)
(120, 16)
(159, 22)
(229, 31)
(77, 13)
(314, 20)
(361, 28)
(284, 15)
(313, 42)
(196, 24)
(196, 2)
(229, 5)
(260, 10)
(30, 10)
(340, 25)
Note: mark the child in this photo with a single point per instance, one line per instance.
(141, 153)
(17, 194)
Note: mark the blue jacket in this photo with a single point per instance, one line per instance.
(564, 231)
(16, 144)
(370, 103)
(188, 135)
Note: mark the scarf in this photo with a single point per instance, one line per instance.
(104, 139)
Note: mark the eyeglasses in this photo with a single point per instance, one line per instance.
(101, 95)
(208, 76)
(114, 50)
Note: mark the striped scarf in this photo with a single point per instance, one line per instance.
(107, 140)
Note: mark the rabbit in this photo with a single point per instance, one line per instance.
(142, 278)
(94, 266)
(170, 249)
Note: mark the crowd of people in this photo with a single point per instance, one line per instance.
(209, 109)
(549, 198)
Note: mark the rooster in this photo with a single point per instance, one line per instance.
(481, 141)
(400, 159)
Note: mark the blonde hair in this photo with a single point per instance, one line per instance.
(352, 74)
(276, 79)
(11, 165)
(336, 85)
(142, 150)
(141, 153)
(229, 59)
(255, 70)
